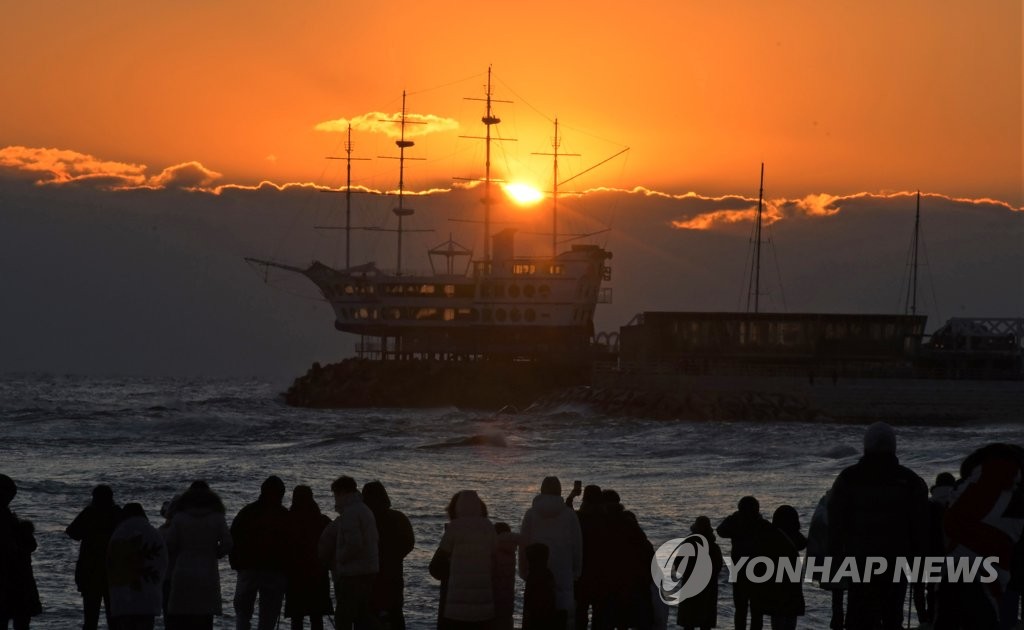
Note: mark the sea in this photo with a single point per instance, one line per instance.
(149, 438)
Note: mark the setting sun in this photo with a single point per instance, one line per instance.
(522, 194)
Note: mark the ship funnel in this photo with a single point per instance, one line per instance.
(504, 245)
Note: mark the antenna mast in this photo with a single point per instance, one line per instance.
(348, 196)
(755, 275)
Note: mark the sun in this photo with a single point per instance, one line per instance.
(522, 194)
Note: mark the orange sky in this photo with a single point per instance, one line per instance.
(836, 97)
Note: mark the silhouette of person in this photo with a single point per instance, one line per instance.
(745, 528)
(783, 598)
(260, 545)
(818, 549)
(586, 587)
(550, 521)
(464, 561)
(349, 545)
(395, 541)
(136, 567)
(878, 508)
(540, 597)
(92, 528)
(507, 545)
(197, 538)
(984, 520)
(309, 584)
(19, 597)
(941, 495)
(629, 598)
(701, 611)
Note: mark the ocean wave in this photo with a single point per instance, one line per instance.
(481, 439)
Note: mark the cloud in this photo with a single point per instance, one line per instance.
(387, 124)
(187, 176)
(63, 166)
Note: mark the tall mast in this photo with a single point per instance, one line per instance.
(911, 301)
(555, 144)
(401, 211)
(489, 119)
(348, 196)
(755, 275)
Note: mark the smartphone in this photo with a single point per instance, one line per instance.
(577, 486)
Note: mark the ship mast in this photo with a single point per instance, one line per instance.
(489, 120)
(348, 195)
(754, 287)
(555, 144)
(401, 211)
(911, 301)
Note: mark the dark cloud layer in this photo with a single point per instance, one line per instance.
(148, 278)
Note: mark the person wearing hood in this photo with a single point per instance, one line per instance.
(136, 567)
(464, 561)
(745, 528)
(19, 597)
(878, 508)
(197, 538)
(783, 599)
(395, 541)
(309, 583)
(261, 544)
(349, 545)
(701, 611)
(92, 528)
(550, 521)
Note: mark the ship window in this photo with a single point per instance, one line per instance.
(530, 315)
(427, 313)
(449, 290)
(449, 314)
(513, 291)
(485, 290)
(362, 314)
(487, 314)
(465, 314)
(529, 290)
(374, 313)
(544, 291)
(499, 290)
(427, 289)
(556, 270)
(514, 315)
(394, 313)
(524, 269)
(545, 315)
(499, 315)
(349, 289)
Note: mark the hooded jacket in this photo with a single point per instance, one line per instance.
(551, 522)
(197, 537)
(470, 543)
(136, 567)
(349, 545)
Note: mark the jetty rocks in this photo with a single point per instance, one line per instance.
(419, 383)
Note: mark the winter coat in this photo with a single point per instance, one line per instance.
(309, 584)
(878, 508)
(196, 539)
(701, 611)
(136, 567)
(783, 598)
(468, 544)
(396, 540)
(19, 596)
(93, 527)
(505, 574)
(259, 533)
(349, 545)
(551, 522)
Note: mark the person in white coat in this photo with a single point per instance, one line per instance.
(197, 538)
(136, 567)
(551, 522)
(349, 546)
(465, 561)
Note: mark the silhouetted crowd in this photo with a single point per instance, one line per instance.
(585, 567)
